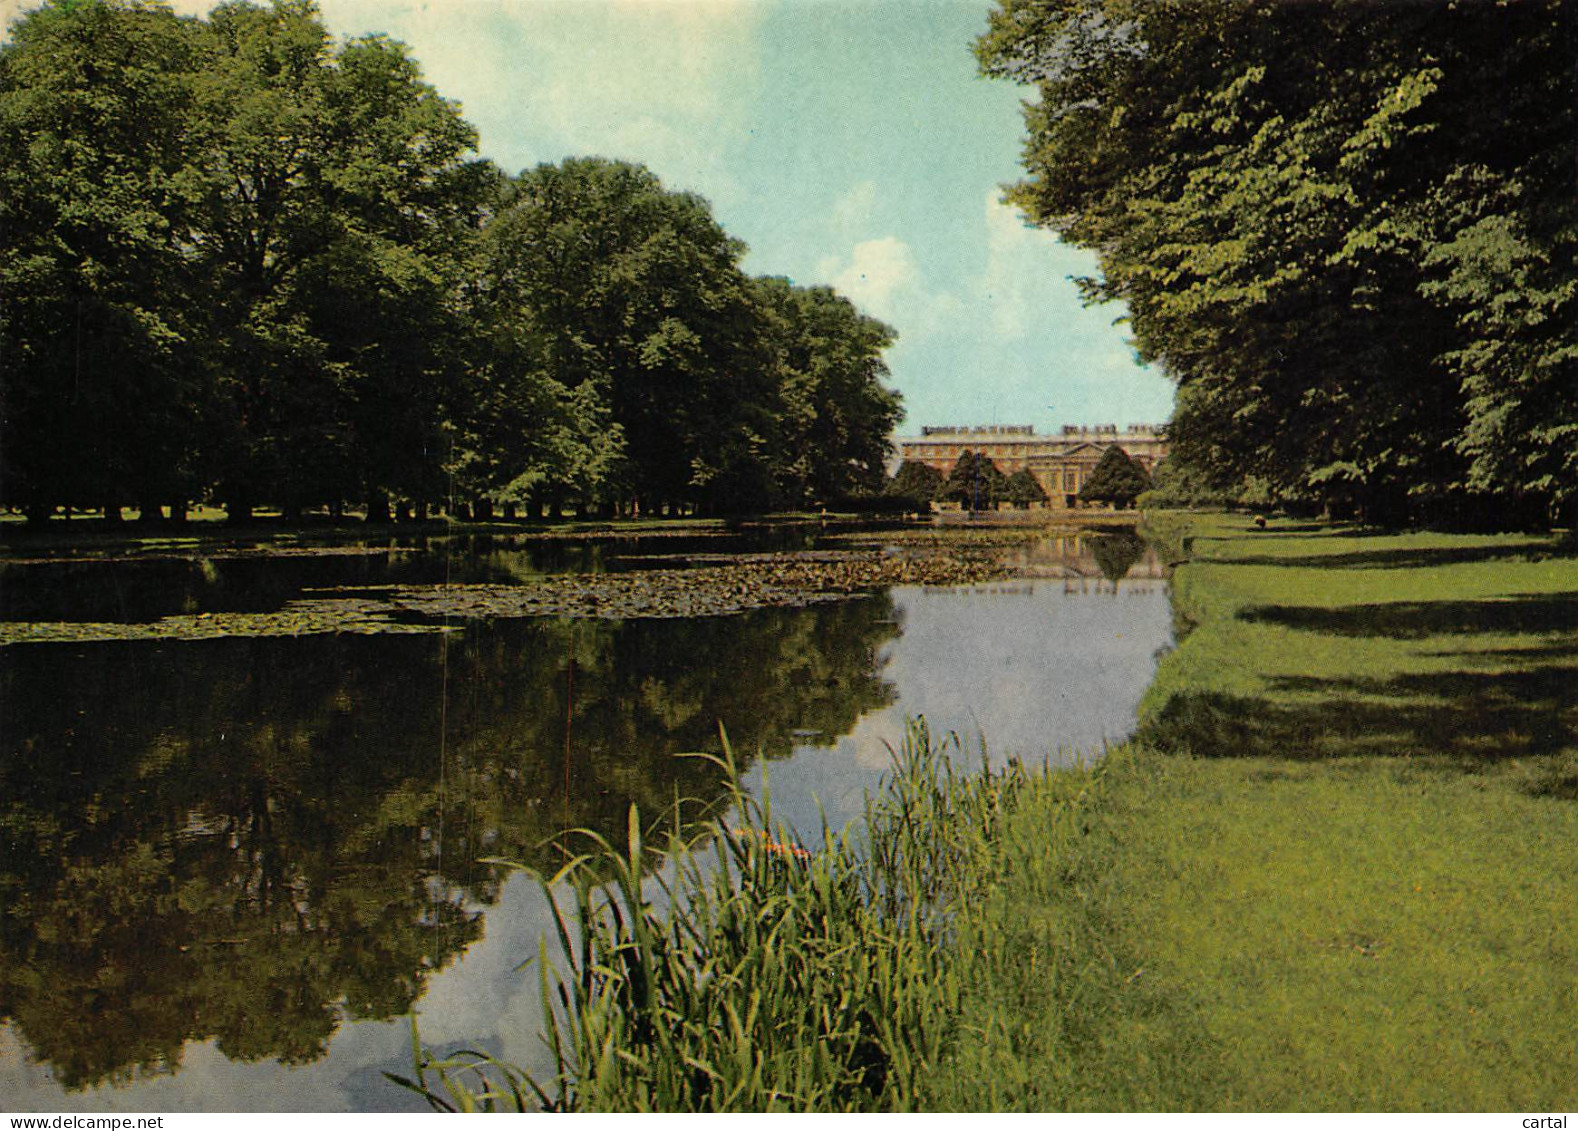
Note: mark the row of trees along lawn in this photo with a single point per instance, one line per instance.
(1345, 229)
(243, 262)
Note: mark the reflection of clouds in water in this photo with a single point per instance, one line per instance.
(207, 1080)
(480, 1001)
(485, 995)
(1044, 670)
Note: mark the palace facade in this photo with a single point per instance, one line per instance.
(1060, 462)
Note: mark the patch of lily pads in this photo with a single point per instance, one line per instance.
(753, 582)
(747, 582)
(299, 618)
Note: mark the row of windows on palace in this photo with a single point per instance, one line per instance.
(1060, 462)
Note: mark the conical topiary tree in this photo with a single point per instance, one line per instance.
(1117, 480)
(915, 481)
(1024, 488)
(975, 482)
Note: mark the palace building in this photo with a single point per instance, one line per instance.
(1060, 462)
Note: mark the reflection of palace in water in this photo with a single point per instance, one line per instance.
(1086, 562)
(1089, 557)
(1061, 463)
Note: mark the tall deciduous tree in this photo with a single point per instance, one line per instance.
(633, 325)
(99, 395)
(1343, 228)
(834, 412)
(337, 195)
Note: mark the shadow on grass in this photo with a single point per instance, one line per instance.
(1479, 716)
(1405, 558)
(1412, 620)
(1561, 648)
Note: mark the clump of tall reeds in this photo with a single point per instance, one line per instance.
(741, 969)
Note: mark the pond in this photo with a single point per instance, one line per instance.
(232, 866)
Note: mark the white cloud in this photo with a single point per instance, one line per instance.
(668, 84)
(878, 277)
(656, 81)
(1019, 260)
(853, 211)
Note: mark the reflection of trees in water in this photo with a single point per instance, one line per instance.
(1116, 554)
(249, 839)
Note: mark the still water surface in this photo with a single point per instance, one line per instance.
(232, 866)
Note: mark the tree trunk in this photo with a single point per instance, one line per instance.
(178, 512)
(378, 508)
(150, 513)
(112, 512)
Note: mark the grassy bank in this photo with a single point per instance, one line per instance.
(1352, 880)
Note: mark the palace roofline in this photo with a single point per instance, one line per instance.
(1022, 432)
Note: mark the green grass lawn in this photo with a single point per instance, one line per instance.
(1340, 869)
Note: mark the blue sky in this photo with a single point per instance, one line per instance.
(847, 142)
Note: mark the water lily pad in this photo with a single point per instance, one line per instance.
(299, 618)
(714, 585)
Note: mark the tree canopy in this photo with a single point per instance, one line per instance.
(833, 413)
(1022, 488)
(917, 481)
(1346, 230)
(246, 263)
(1117, 479)
(975, 482)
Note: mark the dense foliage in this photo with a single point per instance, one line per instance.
(244, 263)
(1346, 230)
(1022, 489)
(1117, 479)
(916, 481)
(975, 482)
